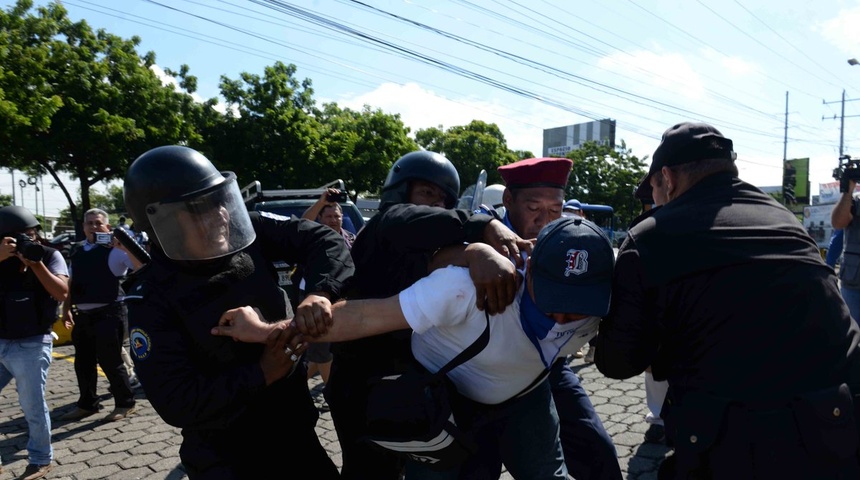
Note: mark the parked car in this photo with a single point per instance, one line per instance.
(63, 242)
(294, 202)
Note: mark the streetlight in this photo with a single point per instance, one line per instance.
(22, 183)
(32, 181)
(853, 61)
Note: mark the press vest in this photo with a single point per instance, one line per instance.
(26, 308)
(93, 281)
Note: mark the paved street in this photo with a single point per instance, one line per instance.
(144, 447)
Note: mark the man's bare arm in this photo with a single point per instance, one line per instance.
(352, 319)
(840, 216)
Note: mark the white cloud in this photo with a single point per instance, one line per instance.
(422, 108)
(667, 71)
(841, 30)
(738, 66)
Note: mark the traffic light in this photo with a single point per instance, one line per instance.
(789, 181)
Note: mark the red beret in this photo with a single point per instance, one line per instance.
(537, 172)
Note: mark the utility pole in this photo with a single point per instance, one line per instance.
(842, 124)
(785, 139)
(789, 172)
(842, 118)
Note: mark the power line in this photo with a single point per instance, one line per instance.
(554, 97)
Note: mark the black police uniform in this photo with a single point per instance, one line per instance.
(392, 252)
(233, 425)
(725, 295)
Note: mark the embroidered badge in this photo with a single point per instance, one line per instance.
(140, 344)
(577, 262)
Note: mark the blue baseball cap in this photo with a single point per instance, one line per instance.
(572, 203)
(571, 267)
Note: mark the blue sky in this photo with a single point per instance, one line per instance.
(527, 66)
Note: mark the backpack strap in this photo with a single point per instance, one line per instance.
(470, 351)
(537, 380)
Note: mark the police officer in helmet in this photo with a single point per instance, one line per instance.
(241, 407)
(416, 218)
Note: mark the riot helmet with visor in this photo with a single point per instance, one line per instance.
(190, 209)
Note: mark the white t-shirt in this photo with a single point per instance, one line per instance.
(441, 310)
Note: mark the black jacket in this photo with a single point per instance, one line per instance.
(392, 252)
(213, 387)
(722, 290)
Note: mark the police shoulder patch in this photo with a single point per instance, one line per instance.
(140, 343)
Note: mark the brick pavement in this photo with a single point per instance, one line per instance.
(144, 447)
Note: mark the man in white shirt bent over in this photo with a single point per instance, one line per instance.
(566, 289)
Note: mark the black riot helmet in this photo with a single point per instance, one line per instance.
(188, 208)
(14, 219)
(420, 165)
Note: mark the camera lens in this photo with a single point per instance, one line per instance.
(28, 248)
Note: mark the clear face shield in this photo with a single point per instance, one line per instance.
(212, 224)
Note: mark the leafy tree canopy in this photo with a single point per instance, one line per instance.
(79, 101)
(361, 146)
(269, 133)
(471, 148)
(607, 176)
(87, 103)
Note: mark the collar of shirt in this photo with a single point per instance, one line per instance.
(537, 326)
(507, 222)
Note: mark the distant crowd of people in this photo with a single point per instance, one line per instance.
(712, 294)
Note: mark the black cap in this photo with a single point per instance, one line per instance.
(644, 193)
(689, 142)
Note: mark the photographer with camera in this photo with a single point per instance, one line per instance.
(326, 211)
(99, 317)
(844, 216)
(33, 282)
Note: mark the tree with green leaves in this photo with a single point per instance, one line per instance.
(77, 101)
(106, 201)
(269, 133)
(471, 148)
(361, 146)
(607, 176)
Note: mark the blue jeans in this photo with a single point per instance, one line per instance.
(588, 449)
(852, 299)
(27, 361)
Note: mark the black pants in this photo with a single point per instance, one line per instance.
(346, 394)
(97, 336)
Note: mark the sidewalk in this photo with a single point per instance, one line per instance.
(144, 447)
